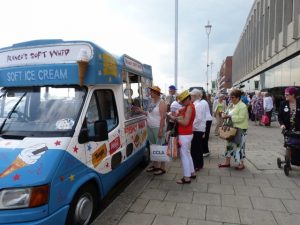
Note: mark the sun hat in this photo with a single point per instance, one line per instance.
(196, 91)
(172, 87)
(291, 91)
(183, 95)
(155, 89)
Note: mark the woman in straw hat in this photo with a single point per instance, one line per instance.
(185, 121)
(156, 117)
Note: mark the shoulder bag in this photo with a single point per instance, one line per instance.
(227, 131)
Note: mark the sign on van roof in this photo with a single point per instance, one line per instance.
(56, 62)
(54, 54)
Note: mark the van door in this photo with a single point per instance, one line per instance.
(104, 156)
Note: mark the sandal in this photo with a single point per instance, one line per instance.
(152, 169)
(183, 181)
(220, 165)
(159, 171)
(240, 167)
(193, 176)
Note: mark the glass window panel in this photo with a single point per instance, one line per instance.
(295, 71)
(286, 74)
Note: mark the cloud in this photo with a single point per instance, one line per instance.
(142, 29)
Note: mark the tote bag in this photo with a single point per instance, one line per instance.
(159, 153)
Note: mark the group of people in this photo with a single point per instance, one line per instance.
(190, 113)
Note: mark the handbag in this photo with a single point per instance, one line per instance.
(227, 131)
(159, 153)
(265, 119)
(172, 150)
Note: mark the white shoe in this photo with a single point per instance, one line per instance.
(206, 154)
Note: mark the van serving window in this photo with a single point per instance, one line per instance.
(102, 107)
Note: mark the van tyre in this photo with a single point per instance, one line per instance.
(83, 206)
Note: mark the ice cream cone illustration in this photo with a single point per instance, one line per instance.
(27, 156)
(83, 62)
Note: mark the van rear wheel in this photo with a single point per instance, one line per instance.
(83, 207)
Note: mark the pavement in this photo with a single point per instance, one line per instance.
(260, 194)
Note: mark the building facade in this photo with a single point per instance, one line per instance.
(267, 54)
(225, 75)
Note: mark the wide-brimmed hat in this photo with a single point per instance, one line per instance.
(183, 95)
(155, 89)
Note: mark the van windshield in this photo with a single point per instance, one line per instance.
(40, 111)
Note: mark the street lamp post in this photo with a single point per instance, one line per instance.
(176, 42)
(208, 29)
(211, 72)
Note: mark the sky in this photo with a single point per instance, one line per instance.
(142, 29)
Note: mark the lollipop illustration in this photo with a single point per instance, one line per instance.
(27, 156)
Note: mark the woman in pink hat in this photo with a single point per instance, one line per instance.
(289, 114)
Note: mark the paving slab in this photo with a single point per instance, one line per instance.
(137, 218)
(247, 190)
(267, 204)
(221, 188)
(232, 180)
(192, 211)
(160, 207)
(179, 196)
(260, 182)
(222, 214)
(169, 185)
(260, 194)
(295, 193)
(207, 199)
(209, 179)
(236, 201)
(287, 218)
(202, 222)
(256, 217)
(163, 220)
(138, 205)
(153, 194)
(195, 187)
(276, 193)
(293, 206)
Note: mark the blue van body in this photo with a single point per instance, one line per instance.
(64, 138)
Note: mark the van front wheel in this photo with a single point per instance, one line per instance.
(83, 207)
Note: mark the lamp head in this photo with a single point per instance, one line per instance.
(208, 28)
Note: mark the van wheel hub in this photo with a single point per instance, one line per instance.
(84, 209)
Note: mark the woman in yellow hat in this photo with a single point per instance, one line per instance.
(185, 121)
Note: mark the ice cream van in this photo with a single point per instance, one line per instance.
(67, 131)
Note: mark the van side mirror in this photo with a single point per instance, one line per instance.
(100, 132)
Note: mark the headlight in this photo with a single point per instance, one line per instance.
(16, 198)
